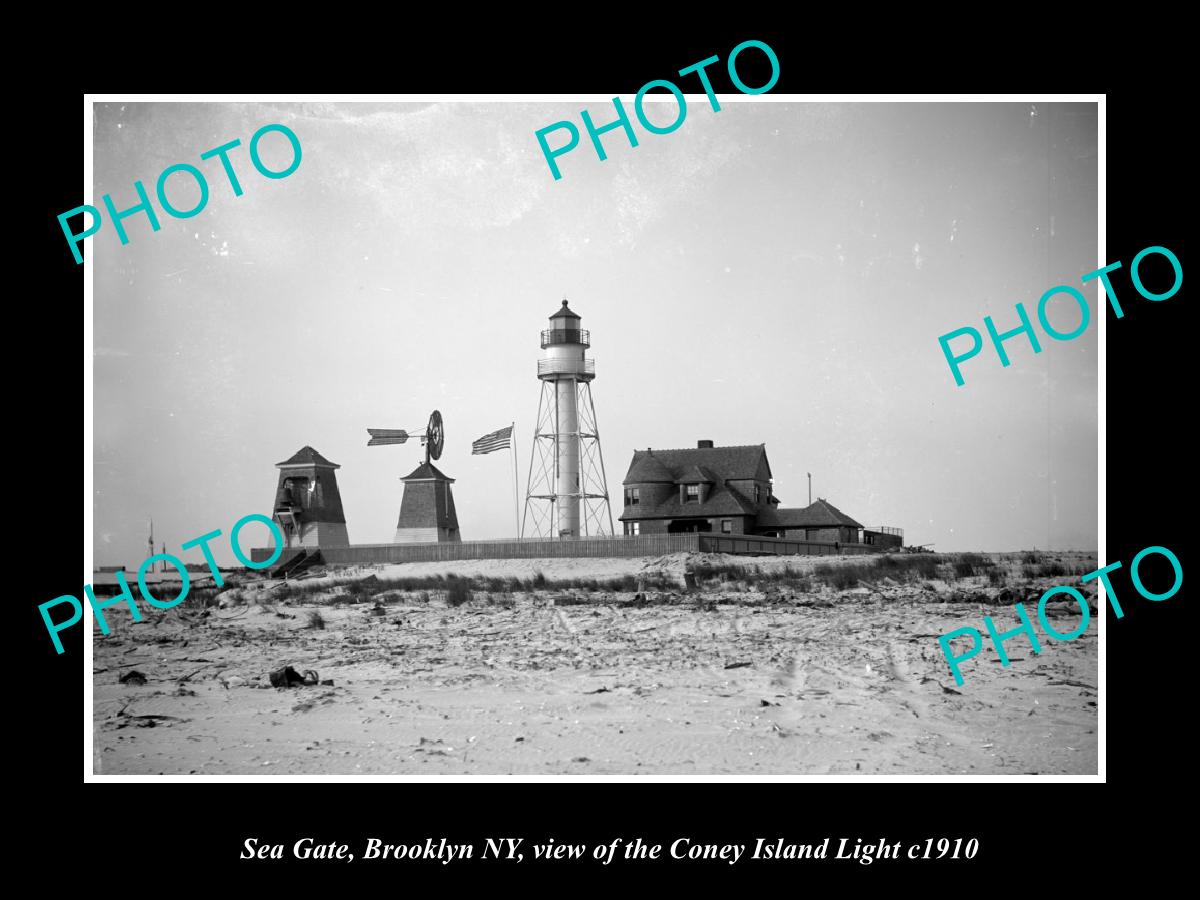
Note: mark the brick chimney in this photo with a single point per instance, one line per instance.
(704, 445)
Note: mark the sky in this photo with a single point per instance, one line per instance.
(776, 272)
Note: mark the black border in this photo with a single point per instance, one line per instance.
(1147, 462)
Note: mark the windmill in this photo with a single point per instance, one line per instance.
(432, 439)
(427, 512)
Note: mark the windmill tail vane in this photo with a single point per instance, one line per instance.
(388, 436)
(432, 438)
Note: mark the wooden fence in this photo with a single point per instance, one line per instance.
(755, 545)
(640, 545)
(632, 545)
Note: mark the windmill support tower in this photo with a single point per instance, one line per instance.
(427, 513)
(567, 491)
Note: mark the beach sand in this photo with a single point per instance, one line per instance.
(739, 677)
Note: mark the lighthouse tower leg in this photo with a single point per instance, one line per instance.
(539, 519)
(593, 483)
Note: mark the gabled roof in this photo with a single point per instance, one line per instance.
(724, 501)
(696, 475)
(307, 456)
(721, 462)
(821, 514)
(646, 469)
(425, 472)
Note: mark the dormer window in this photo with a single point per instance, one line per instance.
(633, 497)
(692, 493)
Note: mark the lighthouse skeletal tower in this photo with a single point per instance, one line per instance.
(567, 494)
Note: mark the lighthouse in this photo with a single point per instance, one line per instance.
(567, 493)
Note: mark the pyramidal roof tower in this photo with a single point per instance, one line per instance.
(427, 510)
(427, 513)
(307, 505)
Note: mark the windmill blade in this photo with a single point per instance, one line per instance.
(386, 436)
(435, 435)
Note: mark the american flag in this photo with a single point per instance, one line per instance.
(497, 440)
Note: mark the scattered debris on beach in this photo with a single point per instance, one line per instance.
(766, 665)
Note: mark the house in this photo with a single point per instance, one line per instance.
(819, 521)
(725, 490)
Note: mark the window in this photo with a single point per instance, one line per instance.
(726, 526)
(692, 493)
(632, 496)
(757, 494)
(633, 528)
(299, 491)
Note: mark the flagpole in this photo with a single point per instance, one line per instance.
(512, 445)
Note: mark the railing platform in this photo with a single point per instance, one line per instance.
(552, 336)
(583, 369)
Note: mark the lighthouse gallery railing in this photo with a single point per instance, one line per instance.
(566, 336)
(566, 367)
